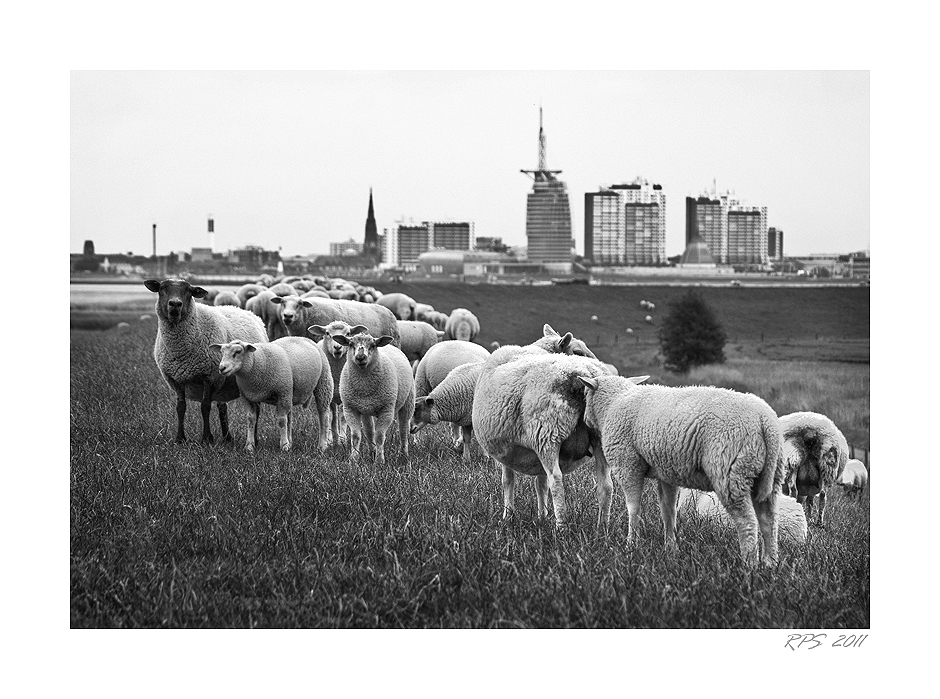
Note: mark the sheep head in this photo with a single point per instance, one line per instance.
(176, 298)
(337, 327)
(426, 413)
(289, 307)
(232, 355)
(362, 347)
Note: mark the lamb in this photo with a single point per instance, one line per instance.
(376, 382)
(286, 372)
(440, 359)
(298, 314)
(184, 332)
(854, 478)
(336, 357)
(815, 453)
(698, 437)
(402, 305)
(417, 337)
(246, 291)
(226, 298)
(791, 520)
(527, 416)
(462, 325)
(451, 401)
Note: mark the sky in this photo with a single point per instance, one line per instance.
(285, 159)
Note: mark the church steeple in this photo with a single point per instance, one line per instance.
(370, 247)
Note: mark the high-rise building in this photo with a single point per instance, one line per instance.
(406, 241)
(625, 224)
(548, 214)
(453, 236)
(734, 233)
(774, 244)
(370, 246)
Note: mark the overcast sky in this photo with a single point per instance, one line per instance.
(286, 159)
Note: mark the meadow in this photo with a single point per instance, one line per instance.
(163, 535)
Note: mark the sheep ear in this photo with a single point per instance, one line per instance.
(565, 341)
(440, 334)
(250, 347)
(153, 285)
(356, 329)
(305, 303)
(216, 347)
(341, 339)
(317, 331)
(276, 300)
(637, 379)
(384, 340)
(548, 331)
(198, 292)
(588, 382)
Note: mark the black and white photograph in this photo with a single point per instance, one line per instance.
(402, 356)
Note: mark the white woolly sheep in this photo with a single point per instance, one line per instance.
(494, 345)
(417, 337)
(265, 280)
(451, 401)
(123, 326)
(791, 519)
(316, 292)
(698, 437)
(462, 325)
(145, 318)
(336, 357)
(551, 341)
(440, 359)
(263, 306)
(437, 319)
(297, 315)
(226, 298)
(650, 306)
(528, 417)
(629, 330)
(648, 319)
(286, 372)
(421, 310)
(402, 305)
(376, 382)
(181, 350)
(814, 453)
(246, 291)
(594, 319)
(854, 478)
(611, 369)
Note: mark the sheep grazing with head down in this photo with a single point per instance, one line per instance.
(286, 372)
(451, 401)
(417, 337)
(185, 330)
(699, 437)
(440, 359)
(376, 383)
(854, 478)
(402, 305)
(815, 453)
(462, 325)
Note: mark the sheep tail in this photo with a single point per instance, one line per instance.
(772, 475)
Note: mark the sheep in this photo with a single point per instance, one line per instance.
(123, 326)
(437, 319)
(282, 289)
(298, 314)
(226, 298)
(648, 319)
(209, 298)
(550, 341)
(181, 350)
(263, 306)
(450, 401)
(265, 280)
(462, 325)
(854, 478)
(494, 345)
(611, 369)
(815, 453)
(650, 306)
(440, 359)
(791, 519)
(701, 437)
(316, 292)
(344, 294)
(376, 382)
(336, 357)
(246, 291)
(286, 372)
(145, 318)
(417, 337)
(527, 415)
(593, 319)
(421, 310)
(402, 305)
(629, 331)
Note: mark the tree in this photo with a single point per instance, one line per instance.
(691, 334)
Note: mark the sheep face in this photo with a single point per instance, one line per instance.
(176, 298)
(232, 355)
(426, 413)
(289, 307)
(362, 347)
(337, 327)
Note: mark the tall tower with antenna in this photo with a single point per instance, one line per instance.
(548, 213)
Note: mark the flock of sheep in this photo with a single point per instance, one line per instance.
(366, 360)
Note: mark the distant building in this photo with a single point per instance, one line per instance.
(350, 247)
(405, 242)
(89, 248)
(625, 224)
(734, 233)
(370, 246)
(488, 243)
(201, 255)
(774, 244)
(453, 236)
(548, 213)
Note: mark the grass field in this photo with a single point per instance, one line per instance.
(190, 536)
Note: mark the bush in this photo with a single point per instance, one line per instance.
(691, 334)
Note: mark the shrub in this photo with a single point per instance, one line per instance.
(691, 334)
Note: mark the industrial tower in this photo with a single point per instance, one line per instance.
(548, 214)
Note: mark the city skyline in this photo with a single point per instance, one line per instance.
(286, 159)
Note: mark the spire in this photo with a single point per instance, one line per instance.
(542, 154)
(542, 174)
(371, 208)
(370, 245)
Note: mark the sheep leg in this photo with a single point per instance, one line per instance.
(508, 482)
(467, 434)
(541, 494)
(742, 514)
(206, 408)
(807, 502)
(354, 425)
(766, 511)
(368, 433)
(404, 427)
(667, 506)
(180, 413)
(821, 517)
(382, 422)
(604, 486)
(222, 407)
(455, 436)
(629, 471)
(556, 484)
(339, 424)
(251, 432)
